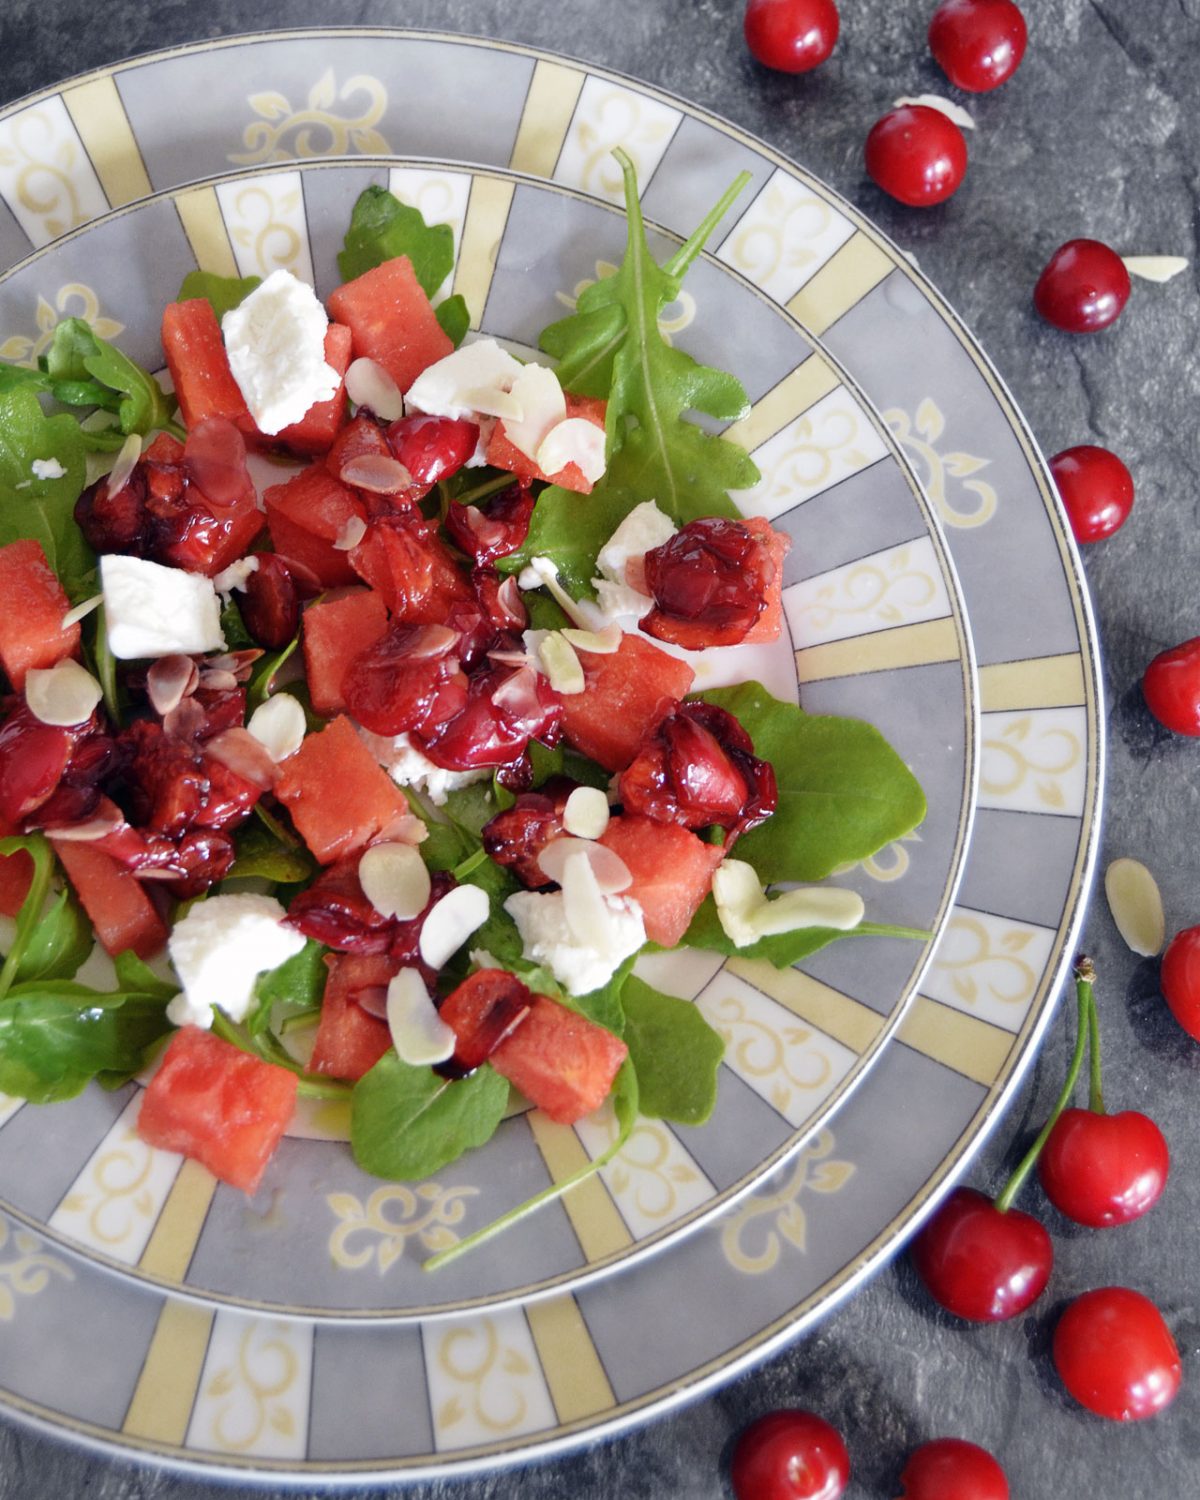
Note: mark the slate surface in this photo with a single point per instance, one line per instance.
(1098, 134)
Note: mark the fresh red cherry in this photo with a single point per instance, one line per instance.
(792, 36)
(1171, 687)
(980, 1263)
(1180, 979)
(790, 1455)
(1104, 1169)
(1084, 287)
(1116, 1356)
(951, 1469)
(917, 155)
(1096, 490)
(978, 44)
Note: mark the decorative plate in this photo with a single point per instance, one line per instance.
(236, 1390)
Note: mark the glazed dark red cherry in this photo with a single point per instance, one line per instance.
(790, 1455)
(516, 837)
(952, 1469)
(791, 36)
(1096, 490)
(432, 448)
(709, 583)
(1180, 979)
(916, 155)
(1116, 1356)
(979, 1263)
(409, 679)
(1171, 687)
(270, 605)
(1084, 287)
(978, 44)
(495, 528)
(1104, 1169)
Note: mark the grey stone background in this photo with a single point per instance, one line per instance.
(1098, 134)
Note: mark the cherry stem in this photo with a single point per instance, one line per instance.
(1084, 974)
(1095, 1092)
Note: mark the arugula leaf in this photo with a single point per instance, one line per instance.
(61, 940)
(77, 353)
(22, 377)
(675, 1052)
(258, 689)
(454, 318)
(105, 664)
(134, 974)
(43, 510)
(38, 849)
(785, 948)
(56, 1037)
(381, 228)
(407, 1123)
(624, 1099)
(298, 983)
(843, 791)
(263, 855)
(233, 628)
(223, 293)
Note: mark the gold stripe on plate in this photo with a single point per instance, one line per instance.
(173, 1243)
(203, 223)
(845, 278)
(166, 1389)
(574, 1374)
(790, 399)
(881, 651)
(598, 1225)
(1039, 682)
(965, 1043)
(549, 108)
(847, 1021)
(487, 214)
(107, 136)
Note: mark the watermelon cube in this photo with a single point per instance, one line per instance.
(334, 634)
(116, 902)
(672, 872)
(339, 797)
(220, 1106)
(306, 515)
(560, 1061)
(503, 454)
(770, 622)
(624, 697)
(200, 373)
(360, 436)
(31, 628)
(318, 427)
(349, 1040)
(392, 320)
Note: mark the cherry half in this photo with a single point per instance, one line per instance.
(790, 1455)
(791, 36)
(916, 155)
(1116, 1356)
(978, 44)
(952, 1469)
(1084, 287)
(1171, 687)
(1180, 979)
(1096, 490)
(982, 1262)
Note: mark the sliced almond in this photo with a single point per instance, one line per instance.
(81, 611)
(127, 460)
(245, 756)
(508, 600)
(62, 695)
(518, 697)
(945, 107)
(279, 726)
(419, 1035)
(1158, 268)
(561, 665)
(170, 680)
(586, 813)
(369, 384)
(106, 819)
(375, 472)
(351, 532)
(218, 680)
(587, 916)
(809, 906)
(240, 663)
(493, 401)
(542, 572)
(451, 922)
(575, 441)
(606, 642)
(1136, 905)
(609, 870)
(738, 894)
(395, 880)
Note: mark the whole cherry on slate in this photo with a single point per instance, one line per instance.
(917, 155)
(791, 36)
(1096, 490)
(1171, 687)
(978, 44)
(1116, 1356)
(790, 1455)
(1084, 287)
(952, 1469)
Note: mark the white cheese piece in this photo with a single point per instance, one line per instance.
(1158, 268)
(586, 812)
(644, 528)
(220, 948)
(943, 106)
(746, 913)
(395, 880)
(275, 341)
(575, 441)
(547, 938)
(47, 468)
(279, 725)
(543, 407)
(154, 611)
(453, 386)
(407, 766)
(451, 922)
(234, 577)
(64, 694)
(419, 1035)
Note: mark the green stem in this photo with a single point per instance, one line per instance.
(31, 908)
(470, 864)
(695, 242)
(482, 491)
(309, 1087)
(1084, 974)
(1095, 1093)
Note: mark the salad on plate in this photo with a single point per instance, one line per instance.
(351, 712)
